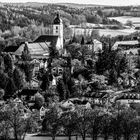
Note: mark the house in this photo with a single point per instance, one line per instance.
(28, 96)
(128, 98)
(34, 83)
(42, 112)
(36, 68)
(95, 45)
(128, 47)
(39, 48)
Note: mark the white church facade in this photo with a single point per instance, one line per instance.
(39, 48)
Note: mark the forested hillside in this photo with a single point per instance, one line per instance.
(25, 22)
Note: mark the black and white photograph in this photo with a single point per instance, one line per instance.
(69, 69)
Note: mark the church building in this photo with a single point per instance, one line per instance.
(39, 48)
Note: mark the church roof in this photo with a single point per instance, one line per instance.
(47, 38)
(36, 50)
(10, 49)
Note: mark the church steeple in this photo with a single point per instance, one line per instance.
(58, 29)
(57, 20)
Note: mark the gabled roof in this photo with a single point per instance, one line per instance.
(29, 92)
(129, 43)
(10, 49)
(35, 49)
(47, 38)
(95, 41)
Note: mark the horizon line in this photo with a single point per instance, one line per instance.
(67, 3)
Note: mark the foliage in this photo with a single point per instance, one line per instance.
(69, 123)
(83, 122)
(51, 122)
(12, 119)
(98, 82)
(95, 123)
(28, 69)
(25, 53)
(105, 125)
(18, 78)
(61, 88)
(112, 61)
(95, 34)
(39, 100)
(8, 63)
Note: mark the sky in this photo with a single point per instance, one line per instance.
(99, 2)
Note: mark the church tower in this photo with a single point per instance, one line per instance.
(58, 29)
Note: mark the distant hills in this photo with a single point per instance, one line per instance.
(75, 5)
(38, 4)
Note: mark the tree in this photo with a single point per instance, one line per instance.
(27, 66)
(12, 117)
(100, 13)
(123, 65)
(8, 63)
(95, 123)
(2, 92)
(44, 77)
(39, 100)
(113, 76)
(127, 116)
(84, 52)
(83, 121)
(136, 126)
(18, 78)
(25, 53)
(98, 82)
(61, 89)
(73, 49)
(74, 39)
(28, 69)
(2, 67)
(116, 119)
(52, 122)
(3, 80)
(129, 23)
(105, 125)
(2, 45)
(10, 88)
(138, 62)
(69, 123)
(95, 34)
(82, 41)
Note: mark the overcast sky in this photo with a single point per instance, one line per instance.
(100, 2)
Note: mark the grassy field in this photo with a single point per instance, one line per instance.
(105, 32)
(123, 19)
(113, 33)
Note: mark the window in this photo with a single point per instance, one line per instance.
(32, 98)
(23, 97)
(56, 27)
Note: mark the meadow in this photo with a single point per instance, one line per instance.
(124, 19)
